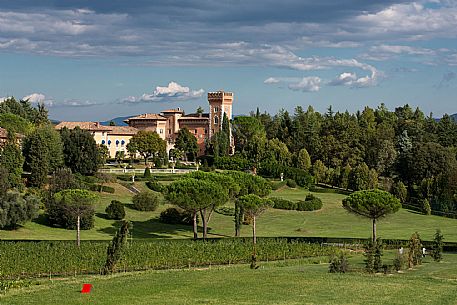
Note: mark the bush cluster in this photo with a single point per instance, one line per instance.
(273, 169)
(291, 183)
(276, 185)
(176, 216)
(100, 188)
(145, 201)
(155, 186)
(236, 163)
(115, 210)
(311, 203)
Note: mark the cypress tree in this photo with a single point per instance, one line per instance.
(437, 247)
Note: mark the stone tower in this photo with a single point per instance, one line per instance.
(220, 102)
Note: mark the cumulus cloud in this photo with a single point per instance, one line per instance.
(171, 93)
(271, 80)
(76, 103)
(344, 79)
(306, 84)
(39, 98)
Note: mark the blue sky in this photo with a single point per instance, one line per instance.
(95, 60)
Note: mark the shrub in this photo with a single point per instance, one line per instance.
(227, 211)
(277, 185)
(155, 186)
(338, 264)
(176, 216)
(399, 262)
(145, 201)
(437, 247)
(291, 183)
(107, 189)
(283, 204)
(311, 203)
(115, 210)
(147, 173)
(232, 163)
(65, 206)
(16, 209)
(274, 169)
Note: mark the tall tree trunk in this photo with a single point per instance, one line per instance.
(254, 237)
(237, 220)
(374, 230)
(195, 224)
(204, 223)
(78, 231)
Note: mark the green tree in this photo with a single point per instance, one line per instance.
(119, 157)
(80, 150)
(145, 201)
(400, 191)
(253, 206)
(186, 143)
(226, 182)
(5, 184)
(15, 124)
(304, 160)
(103, 154)
(16, 209)
(72, 209)
(437, 247)
(415, 250)
(42, 150)
(319, 171)
(116, 248)
(194, 195)
(147, 144)
(12, 161)
(373, 204)
(360, 178)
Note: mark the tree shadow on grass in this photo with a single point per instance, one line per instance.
(152, 228)
(42, 219)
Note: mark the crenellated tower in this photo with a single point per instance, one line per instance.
(220, 102)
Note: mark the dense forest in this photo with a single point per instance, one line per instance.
(401, 151)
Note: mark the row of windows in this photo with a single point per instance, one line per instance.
(122, 142)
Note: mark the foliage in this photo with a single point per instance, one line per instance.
(15, 209)
(145, 201)
(115, 210)
(15, 124)
(377, 255)
(11, 160)
(373, 204)
(103, 154)
(80, 151)
(284, 204)
(119, 157)
(415, 250)
(5, 184)
(147, 144)
(62, 179)
(65, 207)
(291, 183)
(311, 203)
(427, 210)
(399, 190)
(369, 248)
(304, 160)
(25, 110)
(273, 169)
(155, 186)
(236, 162)
(338, 264)
(399, 261)
(116, 248)
(176, 216)
(147, 173)
(437, 247)
(186, 142)
(65, 258)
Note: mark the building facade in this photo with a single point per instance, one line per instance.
(166, 124)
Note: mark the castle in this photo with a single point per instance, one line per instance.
(166, 124)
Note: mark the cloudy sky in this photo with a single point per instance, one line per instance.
(95, 59)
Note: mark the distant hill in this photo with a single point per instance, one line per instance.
(454, 117)
(119, 121)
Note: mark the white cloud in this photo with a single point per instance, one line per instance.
(306, 84)
(172, 92)
(39, 98)
(344, 79)
(76, 103)
(271, 80)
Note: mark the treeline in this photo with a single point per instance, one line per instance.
(402, 151)
(40, 158)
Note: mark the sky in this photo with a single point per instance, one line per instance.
(96, 59)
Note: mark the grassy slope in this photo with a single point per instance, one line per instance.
(273, 283)
(332, 221)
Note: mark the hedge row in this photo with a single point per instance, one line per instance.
(311, 203)
(46, 258)
(274, 170)
(100, 188)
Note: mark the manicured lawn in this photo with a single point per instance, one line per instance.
(274, 283)
(332, 221)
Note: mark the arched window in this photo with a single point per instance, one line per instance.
(122, 142)
(216, 120)
(109, 142)
(117, 142)
(103, 142)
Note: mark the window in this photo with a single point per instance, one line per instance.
(169, 131)
(122, 143)
(103, 142)
(216, 109)
(216, 120)
(117, 142)
(195, 131)
(161, 130)
(109, 142)
(206, 131)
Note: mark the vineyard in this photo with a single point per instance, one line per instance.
(64, 258)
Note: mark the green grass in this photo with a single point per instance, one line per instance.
(331, 221)
(293, 282)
